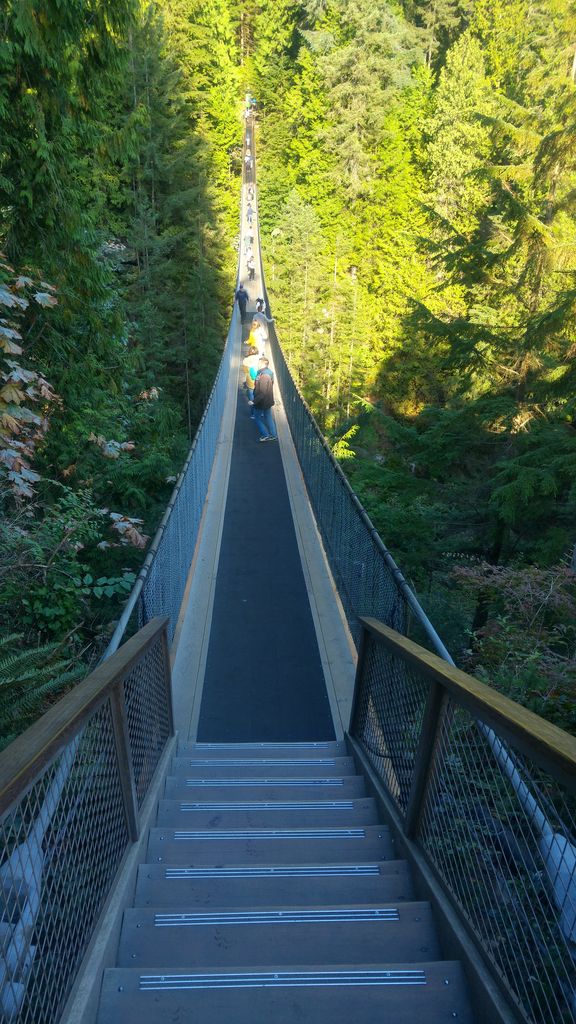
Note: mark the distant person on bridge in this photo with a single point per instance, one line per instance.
(258, 336)
(250, 263)
(263, 402)
(249, 214)
(260, 306)
(262, 321)
(250, 367)
(242, 300)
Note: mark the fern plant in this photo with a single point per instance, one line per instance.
(29, 680)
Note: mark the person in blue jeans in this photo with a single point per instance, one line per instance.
(263, 402)
(250, 367)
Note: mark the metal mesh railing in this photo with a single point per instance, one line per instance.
(388, 717)
(159, 589)
(64, 836)
(366, 576)
(366, 582)
(508, 863)
(147, 714)
(60, 862)
(161, 582)
(502, 872)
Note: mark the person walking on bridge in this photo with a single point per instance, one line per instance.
(249, 214)
(258, 337)
(242, 300)
(250, 367)
(263, 402)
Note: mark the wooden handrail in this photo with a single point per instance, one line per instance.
(546, 744)
(24, 759)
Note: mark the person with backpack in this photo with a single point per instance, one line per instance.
(263, 402)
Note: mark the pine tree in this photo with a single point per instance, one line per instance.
(440, 22)
(459, 139)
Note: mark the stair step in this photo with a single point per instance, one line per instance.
(265, 846)
(230, 788)
(329, 748)
(160, 885)
(195, 812)
(284, 935)
(196, 767)
(402, 993)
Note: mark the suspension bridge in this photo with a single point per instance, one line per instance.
(277, 798)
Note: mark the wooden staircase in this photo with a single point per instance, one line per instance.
(271, 893)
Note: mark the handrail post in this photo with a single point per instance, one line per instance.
(125, 766)
(424, 757)
(168, 680)
(362, 652)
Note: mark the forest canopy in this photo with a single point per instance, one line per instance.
(119, 163)
(417, 175)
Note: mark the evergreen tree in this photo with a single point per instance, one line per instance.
(459, 139)
(440, 22)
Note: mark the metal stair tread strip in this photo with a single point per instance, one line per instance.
(402, 992)
(297, 768)
(186, 788)
(211, 846)
(332, 935)
(233, 814)
(325, 748)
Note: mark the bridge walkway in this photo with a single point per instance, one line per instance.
(262, 649)
(269, 888)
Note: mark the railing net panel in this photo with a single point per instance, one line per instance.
(63, 844)
(145, 690)
(64, 839)
(388, 717)
(490, 853)
(507, 862)
(165, 580)
(365, 582)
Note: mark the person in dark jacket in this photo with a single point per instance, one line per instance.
(242, 299)
(263, 402)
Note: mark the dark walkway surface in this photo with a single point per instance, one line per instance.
(264, 679)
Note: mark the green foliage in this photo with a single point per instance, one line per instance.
(30, 680)
(440, 22)
(45, 585)
(526, 647)
(419, 238)
(117, 179)
(459, 140)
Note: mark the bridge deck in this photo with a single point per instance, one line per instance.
(262, 650)
(263, 678)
